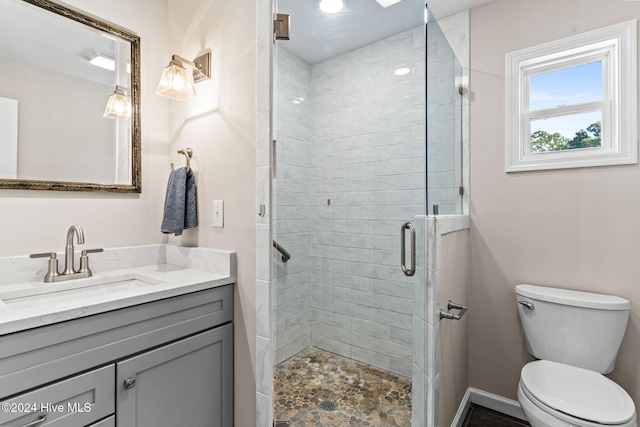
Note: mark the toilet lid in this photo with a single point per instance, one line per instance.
(577, 392)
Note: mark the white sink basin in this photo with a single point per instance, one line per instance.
(44, 294)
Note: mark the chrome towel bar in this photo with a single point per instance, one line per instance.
(451, 316)
(285, 255)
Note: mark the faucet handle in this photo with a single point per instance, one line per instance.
(84, 260)
(91, 251)
(52, 265)
(51, 255)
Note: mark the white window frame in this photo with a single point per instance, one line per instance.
(615, 47)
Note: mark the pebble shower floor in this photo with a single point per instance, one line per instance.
(316, 388)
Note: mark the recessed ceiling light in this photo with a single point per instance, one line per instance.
(331, 6)
(387, 3)
(402, 71)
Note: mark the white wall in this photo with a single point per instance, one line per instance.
(574, 228)
(37, 221)
(220, 125)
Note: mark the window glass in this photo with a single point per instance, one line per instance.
(571, 85)
(566, 132)
(572, 102)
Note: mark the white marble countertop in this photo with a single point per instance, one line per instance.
(169, 271)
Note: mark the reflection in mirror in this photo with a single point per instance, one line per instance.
(59, 68)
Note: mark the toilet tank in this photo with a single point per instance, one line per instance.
(576, 328)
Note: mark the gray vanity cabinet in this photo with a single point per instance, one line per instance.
(175, 356)
(189, 382)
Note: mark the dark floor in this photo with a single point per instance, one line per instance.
(479, 416)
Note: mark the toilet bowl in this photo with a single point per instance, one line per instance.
(576, 337)
(556, 395)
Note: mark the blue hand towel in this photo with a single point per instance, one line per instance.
(180, 204)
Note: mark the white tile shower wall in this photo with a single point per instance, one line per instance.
(292, 211)
(368, 178)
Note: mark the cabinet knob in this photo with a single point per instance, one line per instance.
(129, 383)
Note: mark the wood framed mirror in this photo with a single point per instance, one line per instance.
(59, 68)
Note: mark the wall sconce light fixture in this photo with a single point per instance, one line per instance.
(100, 59)
(119, 104)
(177, 82)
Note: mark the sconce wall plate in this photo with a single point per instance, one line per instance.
(202, 67)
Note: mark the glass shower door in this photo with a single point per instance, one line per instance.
(349, 125)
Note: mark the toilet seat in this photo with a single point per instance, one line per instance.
(576, 393)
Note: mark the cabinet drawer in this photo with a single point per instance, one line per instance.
(75, 402)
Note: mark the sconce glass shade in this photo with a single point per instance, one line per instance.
(176, 82)
(119, 105)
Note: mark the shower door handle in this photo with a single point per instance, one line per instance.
(412, 232)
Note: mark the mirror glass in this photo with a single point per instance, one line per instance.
(58, 70)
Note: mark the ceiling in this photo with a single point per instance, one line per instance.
(317, 36)
(32, 35)
(443, 8)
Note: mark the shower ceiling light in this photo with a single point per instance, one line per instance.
(331, 6)
(401, 71)
(177, 82)
(387, 3)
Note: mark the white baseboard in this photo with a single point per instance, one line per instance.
(462, 409)
(488, 400)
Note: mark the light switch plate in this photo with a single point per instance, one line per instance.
(218, 213)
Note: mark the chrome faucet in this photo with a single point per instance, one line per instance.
(69, 270)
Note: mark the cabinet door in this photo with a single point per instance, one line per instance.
(187, 383)
(74, 402)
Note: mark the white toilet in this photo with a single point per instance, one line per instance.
(576, 335)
